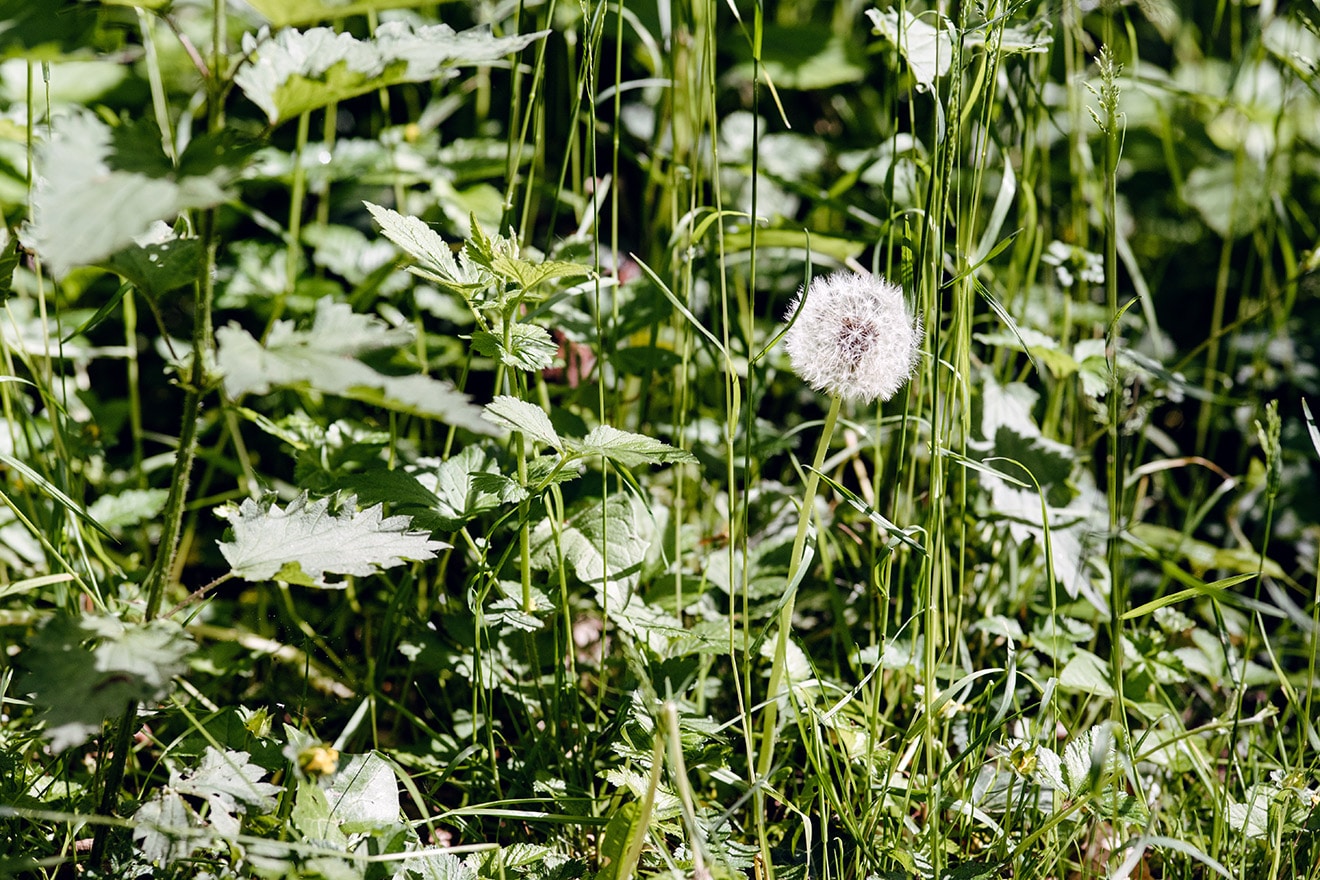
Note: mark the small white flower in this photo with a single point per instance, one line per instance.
(855, 337)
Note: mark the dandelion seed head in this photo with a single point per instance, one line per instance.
(854, 337)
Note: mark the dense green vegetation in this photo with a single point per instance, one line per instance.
(408, 468)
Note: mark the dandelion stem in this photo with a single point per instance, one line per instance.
(777, 666)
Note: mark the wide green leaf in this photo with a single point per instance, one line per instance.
(435, 258)
(526, 418)
(86, 670)
(297, 71)
(305, 541)
(629, 449)
(323, 358)
(95, 194)
(528, 347)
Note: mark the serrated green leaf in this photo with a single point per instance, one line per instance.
(526, 274)
(606, 546)
(162, 828)
(298, 71)
(86, 670)
(128, 508)
(282, 13)
(927, 49)
(229, 783)
(458, 497)
(629, 449)
(530, 347)
(525, 418)
(323, 358)
(364, 790)
(158, 261)
(83, 211)
(273, 544)
(435, 258)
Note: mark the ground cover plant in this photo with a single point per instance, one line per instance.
(596, 440)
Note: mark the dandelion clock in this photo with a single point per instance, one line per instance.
(853, 336)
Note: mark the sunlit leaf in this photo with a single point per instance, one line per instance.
(364, 790)
(629, 449)
(529, 346)
(305, 541)
(230, 784)
(85, 207)
(297, 71)
(928, 50)
(526, 418)
(435, 258)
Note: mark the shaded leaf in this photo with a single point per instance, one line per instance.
(51, 30)
(86, 670)
(158, 261)
(128, 508)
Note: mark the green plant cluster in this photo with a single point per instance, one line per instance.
(402, 474)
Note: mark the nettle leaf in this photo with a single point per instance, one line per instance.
(86, 670)
(230, 783)
(298, 71)
(606, 547)
(305, 541)
(526, 418)
(158, 261)
(526, 275)
(282, 13)
(364, 791)
(928, 50)
(89, 200)
(323, 358)
(629, 449)
(458, 497)
(530, 347)
(435, 258)
(128, 508)
(162, 828)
